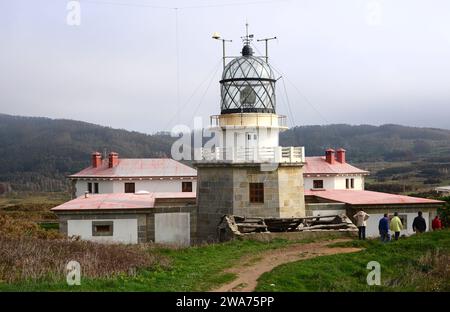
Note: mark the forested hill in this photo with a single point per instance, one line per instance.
(372, 143)
(37, 153)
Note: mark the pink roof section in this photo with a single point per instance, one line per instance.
(145, 167)
(114, 201)
(357, 197)
(318, 165)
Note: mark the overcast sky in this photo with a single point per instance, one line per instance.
(347, 61)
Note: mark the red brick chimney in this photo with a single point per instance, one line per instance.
(96, 159)
(113, 159)
(340, 155)
(329, 156)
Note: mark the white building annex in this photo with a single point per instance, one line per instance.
(332, 172)
(117, 175)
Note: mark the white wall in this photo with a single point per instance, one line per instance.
(144, 185)
(328, 212)
(372, 223)
(236, 138)
(124, 230)
(335, 183)
(172, 228)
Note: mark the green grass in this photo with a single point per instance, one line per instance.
(417, 263)
(31, 206)
(192, 269)
(49, 225)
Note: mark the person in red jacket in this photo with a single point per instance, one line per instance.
(436, 224)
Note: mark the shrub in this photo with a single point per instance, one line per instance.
(16, 228)
(33, 259)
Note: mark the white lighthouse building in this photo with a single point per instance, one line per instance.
(246, 172)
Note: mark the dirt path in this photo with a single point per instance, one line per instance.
(251, 268)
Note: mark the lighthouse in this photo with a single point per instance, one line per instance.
(246, 172)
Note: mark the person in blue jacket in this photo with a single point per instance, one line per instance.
(383, 227)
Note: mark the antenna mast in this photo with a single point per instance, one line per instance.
(267, 46)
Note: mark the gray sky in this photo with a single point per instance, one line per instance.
(347, 61)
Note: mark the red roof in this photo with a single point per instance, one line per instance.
(145, 167)
(120, 201)
(357, 197)
(318, 165)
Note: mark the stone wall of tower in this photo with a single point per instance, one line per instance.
(245, 174)
(214, 199)
(224, 189)
(291, 190)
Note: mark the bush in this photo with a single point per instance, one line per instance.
(33, 259)
(16, 228)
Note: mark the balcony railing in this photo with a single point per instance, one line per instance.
(248, 120)
(276, 154)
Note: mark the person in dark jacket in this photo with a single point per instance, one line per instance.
(419, 224)
(383, 227)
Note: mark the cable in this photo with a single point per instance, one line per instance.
(295, 87)
(204, 94)
(144, 5)
(213, 71)
(177, 51)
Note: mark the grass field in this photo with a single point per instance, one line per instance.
(417, 263)
(31, 206)
(189, 269)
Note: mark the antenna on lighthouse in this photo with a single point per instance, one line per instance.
(248, 37)
(267, 46)
(217, 36)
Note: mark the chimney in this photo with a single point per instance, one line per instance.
(329, 156)
(340, 155)
(113, 159)
(96, 159)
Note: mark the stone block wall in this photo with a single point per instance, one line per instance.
(224, 189)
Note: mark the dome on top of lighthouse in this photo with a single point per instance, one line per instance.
(248, 66)
(248, 85)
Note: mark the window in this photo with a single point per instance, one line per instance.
(186, 186)
(129, 188)
(256, 192)
(350, 183)
(102, 228)
(318, 184)
(96, 188)
(89, 187)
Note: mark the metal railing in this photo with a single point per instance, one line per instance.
(242, 120)
(277, 154)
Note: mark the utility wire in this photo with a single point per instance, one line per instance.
(177, 51)
(204, 94)
(208, 77)
(145, 5)
(291, 117)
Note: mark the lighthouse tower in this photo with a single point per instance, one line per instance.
(246, 172)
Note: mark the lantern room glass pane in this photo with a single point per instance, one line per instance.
(248, 85)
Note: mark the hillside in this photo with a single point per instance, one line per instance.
(366, 143)
(36, 153)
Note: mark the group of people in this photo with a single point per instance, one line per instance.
(395, 225)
